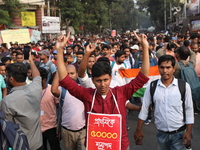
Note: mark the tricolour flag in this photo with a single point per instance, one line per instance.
(130, 74)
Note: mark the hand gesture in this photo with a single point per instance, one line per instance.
(61, 42)
(91, 47)
(143, 41)
(31, 57)
(138, 38)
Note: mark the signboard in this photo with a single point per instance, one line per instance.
(35, 36)
(192, 7)
(113, 33)
(21, 36)
(104, 132)
(50, 24)
(195, 25)
(28, 18)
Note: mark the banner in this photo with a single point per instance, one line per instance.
(28, 18)
(35, 36)
(22, 36)
(104, 132)
(195, 25)
(114, 33)
(50, 24)
(192, 7)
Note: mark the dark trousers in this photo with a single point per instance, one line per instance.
(51, 137)
(41, 148)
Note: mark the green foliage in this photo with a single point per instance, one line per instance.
(73, 11)
(14, 7)
(156, 10)
(10, 9)
(5, 17)
(92, 14)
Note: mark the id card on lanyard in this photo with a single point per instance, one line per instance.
(104, 131)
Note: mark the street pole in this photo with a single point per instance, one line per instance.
(165, 17)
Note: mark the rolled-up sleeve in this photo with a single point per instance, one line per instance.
(145, 104)
(189, 112)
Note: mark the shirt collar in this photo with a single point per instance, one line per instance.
(174, 82)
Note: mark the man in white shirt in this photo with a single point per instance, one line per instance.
(73, 130)
(117, 65)
(174, 130)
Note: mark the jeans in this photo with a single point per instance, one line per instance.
(170, 141)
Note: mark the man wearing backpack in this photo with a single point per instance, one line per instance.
(173, 112)
(185, 70)
(22, 105)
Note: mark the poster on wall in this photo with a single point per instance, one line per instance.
(192, 7)
(28, 18)
(50, 24)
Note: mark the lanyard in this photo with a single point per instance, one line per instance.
(113, 98)
(44, 92)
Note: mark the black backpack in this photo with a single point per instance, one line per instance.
(182, 89)
(11, 136)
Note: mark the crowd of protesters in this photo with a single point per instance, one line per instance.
(32, 77)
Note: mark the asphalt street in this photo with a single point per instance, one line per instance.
(149, 141)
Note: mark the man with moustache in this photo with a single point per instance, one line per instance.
(174, 116)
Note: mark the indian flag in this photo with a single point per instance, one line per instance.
(130, 74)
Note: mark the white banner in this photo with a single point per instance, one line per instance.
(50, 24)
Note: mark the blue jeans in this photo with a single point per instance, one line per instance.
(170, 141)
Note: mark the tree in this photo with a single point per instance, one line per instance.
(93, 14)
(5, 17)
(156, 10)
(10, 9)
(72, 10)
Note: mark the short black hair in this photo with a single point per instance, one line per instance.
(14, 52)
(119, 53)
(104, 59)
(180, 36)
(5, 59)
(43, 73)
(159, 38)
(170, 45)
(81, 48)
(183, 52)
(114, 44)
(4, 45)
(186, 43)
(126, 48)
(19, 54)
(33, 53)
(105, 46)
(167, 38)
(79, 53)
(101, 68)
(1, 64)
(166, 58)
(18, 71)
